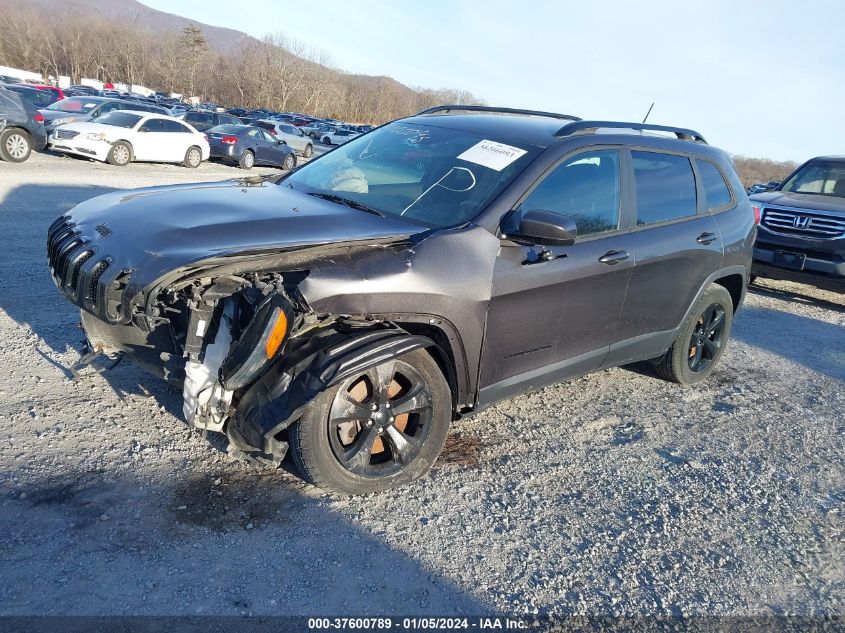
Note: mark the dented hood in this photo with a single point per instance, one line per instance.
(157, 230)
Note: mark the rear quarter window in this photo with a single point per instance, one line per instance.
(665, 187)
(716, 191)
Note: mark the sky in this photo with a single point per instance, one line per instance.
(763, 79)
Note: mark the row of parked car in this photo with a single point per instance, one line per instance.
(84, 121)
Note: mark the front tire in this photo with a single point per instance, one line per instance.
(701, 341)
(309, 150)
(193, 157)
(327, 140)
(120, 154)
(379, 429)
(247, 160)
(289, 162)
(15, 146)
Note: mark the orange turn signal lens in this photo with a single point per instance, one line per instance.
(277, 334)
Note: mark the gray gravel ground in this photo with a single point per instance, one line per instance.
(612, 494)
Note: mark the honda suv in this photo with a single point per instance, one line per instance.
(349, 311)
(802, 226)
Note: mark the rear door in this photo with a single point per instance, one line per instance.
(554, 310)
(677, 245)
(178, 139)
(256, 139)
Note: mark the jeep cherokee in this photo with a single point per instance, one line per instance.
(802, 226)
(350, 310)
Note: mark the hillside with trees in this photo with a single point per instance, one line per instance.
(76, 39)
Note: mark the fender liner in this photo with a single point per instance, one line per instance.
(278, 398)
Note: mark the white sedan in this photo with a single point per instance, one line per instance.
(122, 136)
(337, 136)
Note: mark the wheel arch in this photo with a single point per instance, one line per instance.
(278, 398)
(735, 284)
(726, 277)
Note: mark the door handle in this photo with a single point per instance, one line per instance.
(706, 238)
(614, 257)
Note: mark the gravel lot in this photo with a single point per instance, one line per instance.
(612, 494)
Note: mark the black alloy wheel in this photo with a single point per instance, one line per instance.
(378, 429)
(379, 421)
(706, 339)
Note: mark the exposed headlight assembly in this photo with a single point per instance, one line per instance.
(259, 344)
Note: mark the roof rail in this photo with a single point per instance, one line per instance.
(592, 126)
(478, 108)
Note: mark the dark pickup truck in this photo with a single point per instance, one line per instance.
(801, 235)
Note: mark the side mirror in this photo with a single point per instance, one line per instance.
(547, 228)
(281, 141)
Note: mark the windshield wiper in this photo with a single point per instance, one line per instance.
(354, 204)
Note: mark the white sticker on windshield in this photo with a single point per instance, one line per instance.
(492, 154)
(89, 105)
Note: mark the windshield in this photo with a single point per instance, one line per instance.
(74, 104)
(119, 119)
(430, 175)
(826, 178)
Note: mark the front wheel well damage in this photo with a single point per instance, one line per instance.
(221, 329)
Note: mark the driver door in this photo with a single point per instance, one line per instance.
(554, 309)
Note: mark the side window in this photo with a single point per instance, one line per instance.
(173, 126)
(716, 189)
(152, 125)
(200, 117)
(665, 187)
(107, 107)
(585, 188)
(268, 137)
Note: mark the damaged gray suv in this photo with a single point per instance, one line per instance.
(349, 311)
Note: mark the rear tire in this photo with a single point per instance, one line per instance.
(309, 150)
(247, 160)
(349, 441)
(193, 157)
(702, 340)
(327, 140)
(289, 162)
(15, 145)
(120, 154)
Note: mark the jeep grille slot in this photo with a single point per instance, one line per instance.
(803, 223)
(93, 281)
(75, 268)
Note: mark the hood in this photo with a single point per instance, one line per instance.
(86, 127)
(157, 230)
(52, 115)
(807, 201)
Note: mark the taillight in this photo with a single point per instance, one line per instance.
(205, 136)
(757, 212)
(229, 140)
(273, 132)
(39, 117)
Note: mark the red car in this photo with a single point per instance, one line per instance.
(57, 91)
